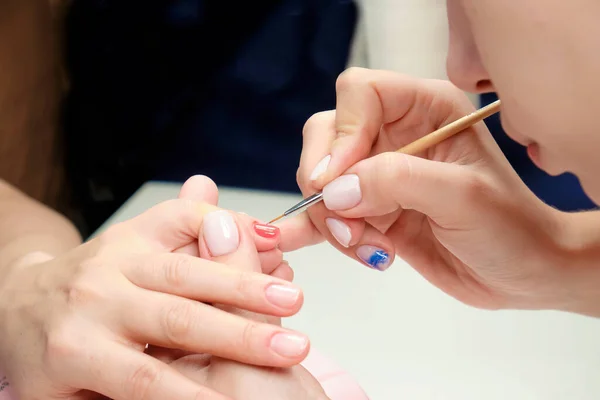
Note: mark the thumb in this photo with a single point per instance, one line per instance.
(175, 225)
(225, 238)
(200, 188)
(197, 188)
(169, 225)
(390, 181)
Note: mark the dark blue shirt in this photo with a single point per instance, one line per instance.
(164, 89)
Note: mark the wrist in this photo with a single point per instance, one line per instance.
(23, 252)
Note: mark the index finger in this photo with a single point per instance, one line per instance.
(366, 100)
(298, 232)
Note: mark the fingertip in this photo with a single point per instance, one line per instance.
(375, 257)
(291, 347)
(284, 271)
(298, 232)
(320, 169)
(270, 260)
(200, 188)
(347, 232)
(266, 236)
(374, 250)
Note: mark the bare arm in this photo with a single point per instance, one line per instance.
(27, 226)
(31, 85)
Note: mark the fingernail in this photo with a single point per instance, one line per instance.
(342, 193)
(289, 345)
(320, 168)
(340, 231)
(220, 233)
(374, 257)
(283, 296)
(266, 231)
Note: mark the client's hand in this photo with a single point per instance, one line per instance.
(237, 380)
(80, 323)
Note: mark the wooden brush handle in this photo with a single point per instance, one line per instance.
(450, 130)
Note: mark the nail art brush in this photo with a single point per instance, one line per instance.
(415, 147)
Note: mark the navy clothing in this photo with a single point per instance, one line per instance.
(563, 192)
(164, 89)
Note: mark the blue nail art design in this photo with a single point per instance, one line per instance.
(378, 259)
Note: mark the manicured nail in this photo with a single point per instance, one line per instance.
(320, 168)
(343, 193)
(220, 233)
(283, 296)
(266, 231)
(289, 345)
(340, 231)
(374, 257)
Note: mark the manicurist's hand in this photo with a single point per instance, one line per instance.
(457, 213)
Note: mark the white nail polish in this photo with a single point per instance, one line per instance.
(342, 193)
(340, 231)
(220, 233)
(320, 168)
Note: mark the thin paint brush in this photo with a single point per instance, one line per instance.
(415, 147)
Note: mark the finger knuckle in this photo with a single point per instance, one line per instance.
(244, 283)
(177, 272)
(316, 122)
(393, 168)
(178, 323)
(476, 188)
(140, 382)
(447, 86)
(249, 334)
(349, 78)
(61, 345)
(83, 286)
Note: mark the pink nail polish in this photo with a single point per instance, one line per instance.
(343, 193)
(266, 231)
(283, 296)
(289, 345)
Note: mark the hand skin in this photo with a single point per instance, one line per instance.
(86, 315)
(238, 380)
(458, 213)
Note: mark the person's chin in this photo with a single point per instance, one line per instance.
(591, 187)
(540, 158)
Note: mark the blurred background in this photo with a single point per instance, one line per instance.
(164, 89)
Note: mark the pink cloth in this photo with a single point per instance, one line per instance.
(336, 382)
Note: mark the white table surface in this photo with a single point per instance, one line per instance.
(404, 339)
